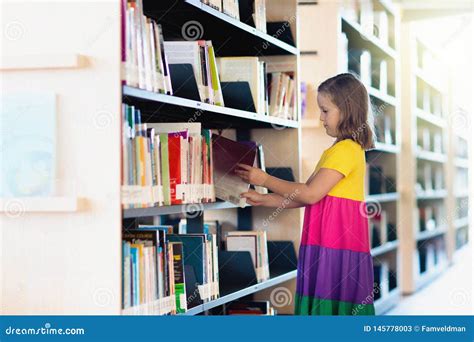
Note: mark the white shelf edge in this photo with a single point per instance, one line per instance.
(429, 234)
(388, 197)
(43, 61)
(430, 118)
(16, 206)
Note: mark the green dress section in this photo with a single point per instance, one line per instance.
(306, 305)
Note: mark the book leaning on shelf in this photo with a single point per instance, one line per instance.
(145, 63)
(165, 164)
(200, 55)
(273, 89)
(254, 242)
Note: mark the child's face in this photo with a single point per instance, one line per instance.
(330, 114)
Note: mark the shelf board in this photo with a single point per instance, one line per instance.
(249, 290)
(388, 197)
(427, 277)
(383, 304)
(429, 234)
(226, 33)
(389, 99)
(430, 118)
(176, 209)
(462, 193)
(461, 222)
(461, 163)
(433, 194)
(166, 108)
(425, 77)
(361, 39)
(15, 207)
(241, 293)
(389, 148)
(385, 248)
(431, 156)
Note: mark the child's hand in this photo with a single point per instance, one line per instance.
(253, 197)
(252, 175)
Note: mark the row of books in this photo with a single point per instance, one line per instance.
(156, 263)
(429, 140)
(145, 65)
(373, 22)
(254, 242)
(431, 254)
(232, 9)
(250, 308)
(429, 177)
(385, 278)
(272, 87)
(462, 237)
(428, 99)
(149, 62)
(381, 230)
(377, 182)
(384, 132)
(430, 217)
(165, 163)
(179, 163)
(372, 71)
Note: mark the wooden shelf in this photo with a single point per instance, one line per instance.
(428, 276)
(429, 234)
(433, 194)
(17, 206)
(461, 163)
(383, 304)
(218, 27)
(163, 108)
(389, 99)
(461, 222)
(385, 248)
(431, 156)
(430, 118)
(176, 209)
(388, 197)
(461, 193)
(362, 39)
(389, 148)
(421, 74)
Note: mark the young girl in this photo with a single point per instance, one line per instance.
(335, 274)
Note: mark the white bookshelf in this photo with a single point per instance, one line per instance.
(425, 108)
(320, 59)
(69, 260)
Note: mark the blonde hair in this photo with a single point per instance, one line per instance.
(352, 100)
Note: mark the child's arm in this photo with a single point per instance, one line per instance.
(270, 200)
(307, 193)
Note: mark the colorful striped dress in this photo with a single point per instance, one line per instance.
(335, 272)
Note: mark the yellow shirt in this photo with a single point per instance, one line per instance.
(348, 158)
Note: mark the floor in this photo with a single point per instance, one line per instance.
(449, 294)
